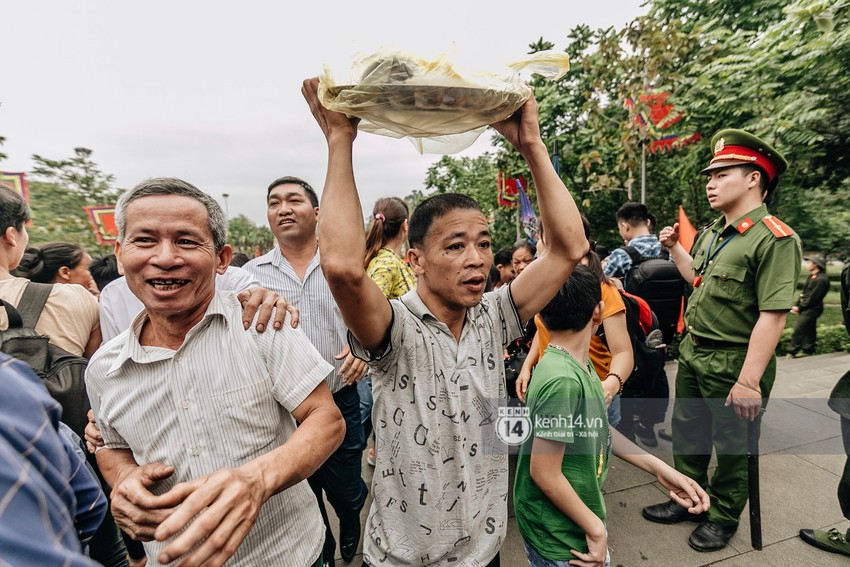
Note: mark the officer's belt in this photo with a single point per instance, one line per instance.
(709, 343)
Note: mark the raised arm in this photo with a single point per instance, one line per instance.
(566, 244)
(669, 237)
(342, 238)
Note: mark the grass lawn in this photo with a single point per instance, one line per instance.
(831, 316)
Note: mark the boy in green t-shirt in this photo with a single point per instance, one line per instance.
(558, 492)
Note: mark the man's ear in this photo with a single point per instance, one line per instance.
(225, 255)
(116, 249)
(9, 236)
(415, 260)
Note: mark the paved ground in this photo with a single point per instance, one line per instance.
(802, 459)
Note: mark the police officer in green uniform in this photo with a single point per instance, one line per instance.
(744, 276)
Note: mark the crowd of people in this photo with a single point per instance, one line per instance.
(231, 399)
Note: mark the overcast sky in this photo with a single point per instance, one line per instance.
(210, 91)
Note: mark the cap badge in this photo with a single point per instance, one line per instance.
(718, 147)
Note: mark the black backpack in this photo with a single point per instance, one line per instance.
(657, 280)
(648, 361)
(59, 370)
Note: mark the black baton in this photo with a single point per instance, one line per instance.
(753, 434)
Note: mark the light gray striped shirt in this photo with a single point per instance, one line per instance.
(319, 315)
(222, 399)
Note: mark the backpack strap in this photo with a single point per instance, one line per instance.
(32, 302)
(637, 257)
(14, 318)
(633, 254)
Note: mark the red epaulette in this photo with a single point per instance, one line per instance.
(777, 227)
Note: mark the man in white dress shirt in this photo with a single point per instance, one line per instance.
(199, 416)
(292, 269)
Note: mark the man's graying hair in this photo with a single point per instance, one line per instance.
(172, 186)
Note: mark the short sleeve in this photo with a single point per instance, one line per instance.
(613, 301)
(108, 325)
(777, 274)
(235, 279)
(70, 316)
(111, 438)
(383, 360)
(615, 264)
(294, 364)
(554, 409)
(509, 321)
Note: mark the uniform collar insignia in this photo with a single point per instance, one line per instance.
(745, 225)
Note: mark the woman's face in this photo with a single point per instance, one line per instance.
(521, 258)
(80, 273)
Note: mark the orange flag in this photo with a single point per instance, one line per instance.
(687, 233)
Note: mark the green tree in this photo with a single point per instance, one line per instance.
(476, 178)
(778, 68)
(245, 236)
(60, 192)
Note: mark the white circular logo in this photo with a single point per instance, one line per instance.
(513, 425)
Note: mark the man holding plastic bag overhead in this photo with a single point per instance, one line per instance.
(441, 478)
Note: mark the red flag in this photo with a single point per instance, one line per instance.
(658, 120)
(687, 232)
(103, 222)
(16, 181)
(506, 190)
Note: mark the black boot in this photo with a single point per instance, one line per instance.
(709, 536)
(670, 513)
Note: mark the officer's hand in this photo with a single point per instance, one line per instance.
(795, 310)
(746, 401)
(669, 236)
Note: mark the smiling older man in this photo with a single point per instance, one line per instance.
(198, 416)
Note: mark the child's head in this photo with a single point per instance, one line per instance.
(573, 306)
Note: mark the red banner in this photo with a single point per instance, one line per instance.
(103, 223)
(17, 181)
(657, 117)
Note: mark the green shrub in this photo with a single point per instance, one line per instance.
(831, 338)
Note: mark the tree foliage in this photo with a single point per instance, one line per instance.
(475, 177)
(247, 237)
(60, 192)
(777, 68)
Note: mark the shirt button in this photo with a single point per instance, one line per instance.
(196, 450)
(690, 327)
(177, 358)
(710, 262)
(720, 239)
(185, 404)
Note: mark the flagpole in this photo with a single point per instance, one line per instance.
(643, 173)
(518, 224)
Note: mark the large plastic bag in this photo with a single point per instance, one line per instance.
(434, 104)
